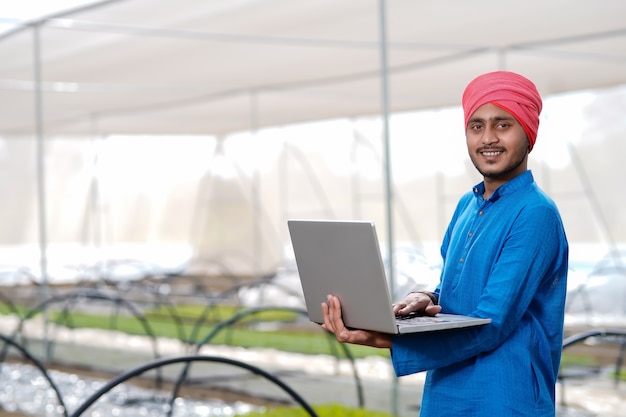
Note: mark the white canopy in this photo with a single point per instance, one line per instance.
(211, 68)
(214, 67)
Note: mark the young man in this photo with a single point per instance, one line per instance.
(505, 257)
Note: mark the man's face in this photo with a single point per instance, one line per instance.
(497, 143)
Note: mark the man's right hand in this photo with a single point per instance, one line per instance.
(333, 322)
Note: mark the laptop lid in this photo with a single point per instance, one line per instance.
(343, 258)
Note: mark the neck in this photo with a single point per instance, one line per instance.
(490, 186)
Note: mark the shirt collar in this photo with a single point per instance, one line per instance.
(508, 187)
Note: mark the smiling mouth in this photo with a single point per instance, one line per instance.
(491, 153)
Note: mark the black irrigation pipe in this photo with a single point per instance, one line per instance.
(235, 318)
(581, 337)
(40, 366)
(302, 312)
(13, 310)
(158, 300)
(4, 300)
(233, 290)
(171, 309)
(96, 295)
(211, 306)
(188, 359)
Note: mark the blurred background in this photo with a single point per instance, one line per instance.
(149, 138)
(152, 151)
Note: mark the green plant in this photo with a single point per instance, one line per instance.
(163, 325)
(621, 375)
(329, 410)
(569, 360)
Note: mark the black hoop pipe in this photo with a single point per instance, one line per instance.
(580, 337)
(187, 359)
(94, 295)
(242, 314)
(41, 368)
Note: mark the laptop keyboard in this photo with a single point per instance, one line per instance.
(415, 319)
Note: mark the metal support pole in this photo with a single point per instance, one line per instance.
(387, 153)
(41, 180)
(257, 247)
(387, 168)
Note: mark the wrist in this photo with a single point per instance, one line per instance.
(432, 296)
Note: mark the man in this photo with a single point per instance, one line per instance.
(505, 257)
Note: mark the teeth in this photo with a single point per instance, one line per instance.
(495, 153)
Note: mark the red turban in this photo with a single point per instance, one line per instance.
(509, 91)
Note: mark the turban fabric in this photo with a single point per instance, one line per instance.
(509, 91)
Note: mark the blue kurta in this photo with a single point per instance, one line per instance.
(504, 258)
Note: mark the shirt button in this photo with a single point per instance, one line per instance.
(480, 213)
(470, 234)
(461, 260)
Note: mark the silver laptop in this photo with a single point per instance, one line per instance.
(343, 258)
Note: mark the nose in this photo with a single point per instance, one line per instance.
(490, 136)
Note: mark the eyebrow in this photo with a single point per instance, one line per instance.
(495, 119)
